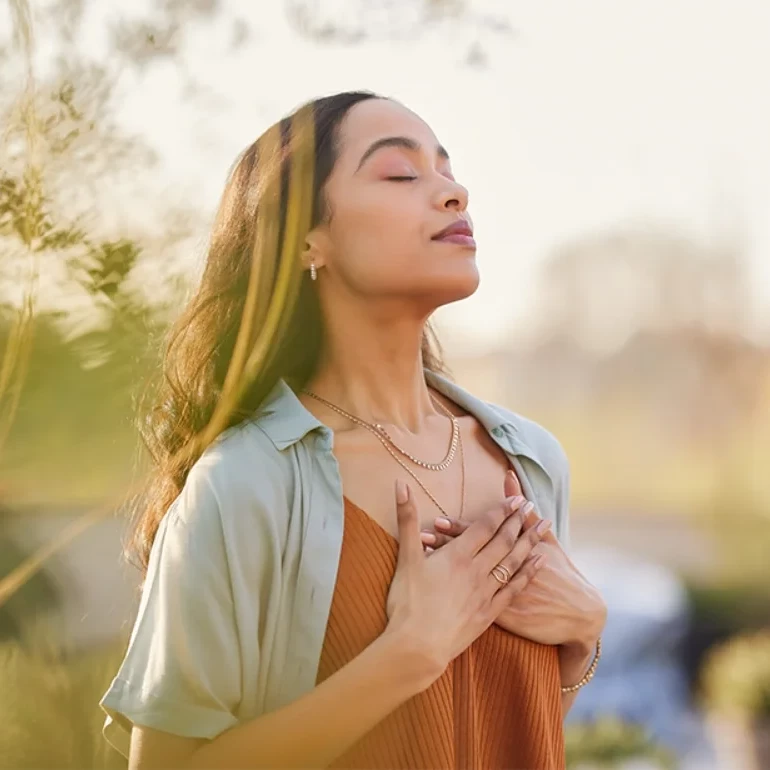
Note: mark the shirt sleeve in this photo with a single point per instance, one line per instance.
(563, 504)
(181, 672)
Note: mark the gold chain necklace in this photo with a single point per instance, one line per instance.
(442, 466)
(384, 441)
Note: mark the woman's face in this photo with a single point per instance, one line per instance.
(390, 193)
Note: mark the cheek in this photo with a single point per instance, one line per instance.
(378, 231)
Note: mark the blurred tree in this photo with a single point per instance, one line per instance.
(70, 264)
(355, 21)
(65, 163)
(674, 315)
(675, 374)
(605, 287)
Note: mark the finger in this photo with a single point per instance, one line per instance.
(504, 540)
(434, 540)
(511, 486)
(428, 538)
(446, 529)
(438, 538)
(524, 547)
(483, 530)
(409, 545)
(532, 519)
(517, 584)
(451, 527)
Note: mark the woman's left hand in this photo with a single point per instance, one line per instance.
(559, 606)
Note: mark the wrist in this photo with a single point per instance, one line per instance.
(591, 627)
(573, 663)
(578, 649)
(408, 658)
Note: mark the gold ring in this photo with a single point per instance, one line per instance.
(499, 570)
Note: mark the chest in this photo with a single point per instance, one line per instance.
(471, 484)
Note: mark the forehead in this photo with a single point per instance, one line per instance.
(374, 119)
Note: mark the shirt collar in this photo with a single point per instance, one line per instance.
(285, 420)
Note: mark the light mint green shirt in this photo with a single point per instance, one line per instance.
(241, 575)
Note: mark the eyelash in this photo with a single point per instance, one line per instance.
(401, 178)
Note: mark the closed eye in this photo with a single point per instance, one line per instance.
(401, 178)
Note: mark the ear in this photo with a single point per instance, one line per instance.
(315, 249)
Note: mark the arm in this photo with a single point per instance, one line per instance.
(333, 716)
(175, 700)
(575, 658)
(573, 664)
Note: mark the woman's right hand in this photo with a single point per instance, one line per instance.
(441, 602)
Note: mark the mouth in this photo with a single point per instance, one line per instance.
(458, 232)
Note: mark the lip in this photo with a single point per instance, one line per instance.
(458, 228)
(459, 233)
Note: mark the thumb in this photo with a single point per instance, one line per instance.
(410, 551)
(511, 486)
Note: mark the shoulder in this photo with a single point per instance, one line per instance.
(543, 444)
(240, 475)
(539, 444)
(530, 438)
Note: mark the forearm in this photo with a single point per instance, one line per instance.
(316, 729)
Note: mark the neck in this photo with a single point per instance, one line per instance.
(374, 370)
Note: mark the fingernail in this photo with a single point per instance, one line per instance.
(515, 503)
(428, 538)
(530, 506)
(442, 523)
(402, 492)
(543, 526)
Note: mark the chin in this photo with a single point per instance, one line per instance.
(453, 285)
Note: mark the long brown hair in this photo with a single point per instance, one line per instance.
(253, 295)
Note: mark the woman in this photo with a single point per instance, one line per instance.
(349, 574)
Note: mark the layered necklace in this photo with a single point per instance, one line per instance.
(455, 444)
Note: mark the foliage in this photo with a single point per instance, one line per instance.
(38, 594)
(77, 388)
(70, 300)
(50, 707)
(736, 676)
(352, 22)
(609, 742)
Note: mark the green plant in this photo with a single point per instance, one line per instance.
(49, 704)
(736, 677)
(609, 741)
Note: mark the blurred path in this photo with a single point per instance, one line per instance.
(671, 540)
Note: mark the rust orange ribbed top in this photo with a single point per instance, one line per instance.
(497, 706)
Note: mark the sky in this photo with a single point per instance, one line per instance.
(589, 116)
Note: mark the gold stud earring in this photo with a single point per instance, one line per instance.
(313, 272)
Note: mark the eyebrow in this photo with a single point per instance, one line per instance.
(404, 142)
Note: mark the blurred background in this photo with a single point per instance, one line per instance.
(618, 161)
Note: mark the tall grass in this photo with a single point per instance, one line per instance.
(49, 702)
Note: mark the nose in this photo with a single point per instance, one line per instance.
(452, 196)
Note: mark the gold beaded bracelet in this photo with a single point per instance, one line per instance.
(589, 675)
